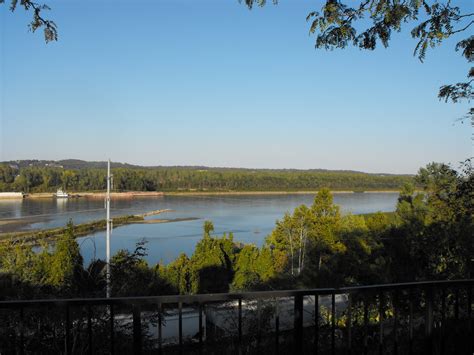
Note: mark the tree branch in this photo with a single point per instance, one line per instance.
(462, 29)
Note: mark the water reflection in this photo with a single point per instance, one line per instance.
(10, 208)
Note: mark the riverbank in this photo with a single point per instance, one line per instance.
(113, 195)
(257, 193)
(138, 194)
(80, 230)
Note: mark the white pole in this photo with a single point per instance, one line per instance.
(107, 256)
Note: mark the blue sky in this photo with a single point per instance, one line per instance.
(174, 82)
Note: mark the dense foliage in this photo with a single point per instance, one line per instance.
(47, 179)
(430, 236)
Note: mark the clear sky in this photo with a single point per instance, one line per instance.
(174, 82)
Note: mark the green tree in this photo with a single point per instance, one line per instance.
(309, 234)
(49, 271)
(212, 263)
(378, 223)
(7, 174)
(439, 183)
(434, 236)
(21, 184)
(246, 276)
(291, 236)
(69, 179)
(326, 223)
(303, 224)
(255, 268)
(66, 261)
(131, 275)
(362, 260)
(180, 275)
(208, 228)
(283, 239)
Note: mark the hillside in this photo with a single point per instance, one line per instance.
(77, 164)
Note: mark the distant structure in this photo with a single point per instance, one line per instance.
(11, 195)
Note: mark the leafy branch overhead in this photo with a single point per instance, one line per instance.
(38, 22)
(368, 23)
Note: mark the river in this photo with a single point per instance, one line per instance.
(249, 217)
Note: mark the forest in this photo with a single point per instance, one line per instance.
(35, 178)
(429, 237)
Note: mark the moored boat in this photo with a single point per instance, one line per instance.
(61, 194)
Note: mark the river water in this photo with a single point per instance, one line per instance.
(249, 217)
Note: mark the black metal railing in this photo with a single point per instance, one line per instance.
(430, 317)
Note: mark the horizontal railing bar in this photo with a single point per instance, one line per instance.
(221, 297)
(406, 285)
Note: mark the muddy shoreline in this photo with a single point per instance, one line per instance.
(82, 229)
(138, 194)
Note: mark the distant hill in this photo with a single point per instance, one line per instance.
(67, 164)
(77, 164)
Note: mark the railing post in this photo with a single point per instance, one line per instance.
(160, 329)
(137, 329)
(443, 320)
(395, 322)
(429, 320)
(89, 329)
(298, 324)
(366, 326)
(22, 331)
(112, 337)
(469, 307)
(410, 321)
(381, 322)
(316, 324)
(349, 324)
(200, 328)
(277, 325)
(469, 316)
(240, 324)
(259, 316)
(68, 331)
(180, 326)
(333, 323)
(456, 304)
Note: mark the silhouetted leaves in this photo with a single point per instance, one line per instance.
(367, 23)
(49, 27)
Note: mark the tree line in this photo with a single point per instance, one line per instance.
(48, 179)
